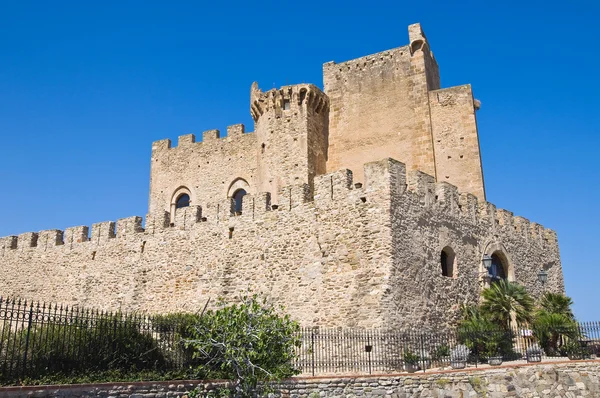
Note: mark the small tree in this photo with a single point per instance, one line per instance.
(556, 303)
(554, 322)
(247, 343)
(483, 336)
(504, 299)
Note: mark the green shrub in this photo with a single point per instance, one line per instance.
(410, 357)
(247, 343)
(71, 350)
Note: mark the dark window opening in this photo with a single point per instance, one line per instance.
(286, 104)
(302, 96)
(182, 201)
(497, 269)
(238, 201)
(447, 262)
(444, 264)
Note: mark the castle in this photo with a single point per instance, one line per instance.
(360, 205)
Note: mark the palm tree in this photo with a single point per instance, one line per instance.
(505, 299)
(551, 329)
(554, 321)
(556, 303)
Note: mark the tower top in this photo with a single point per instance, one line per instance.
(285, 98)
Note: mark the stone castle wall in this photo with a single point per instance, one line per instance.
(204, 168)
(335, 248)
(289, 146)
(341, 254)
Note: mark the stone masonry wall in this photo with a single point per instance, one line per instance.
(340, 255)
(291, 127)
(383, 105)
(568, 379)
(207, 169)
(447, 219)
(456, 139)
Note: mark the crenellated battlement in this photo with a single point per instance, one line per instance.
(387, 182)
(368, 62)
(445, 197)
(209, 137)
(299, 96)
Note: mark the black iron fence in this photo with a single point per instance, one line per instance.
(329, 351)
(39, 339)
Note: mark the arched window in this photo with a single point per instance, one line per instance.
(447, 262)
(498, 268)
(182, 197)
(182, 201)
(237, 199)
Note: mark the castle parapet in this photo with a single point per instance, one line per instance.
(50, 238)
(446, 196)
(298, 96)
(468, 205)
(209, 137)
(333, 186)
(294, 196)
(421, 184)
(187, 216)
(236, 130)
(8, 242)
(103, 231)
(385, 181)
(129, 225)
(186, 140)
(27, 240)
(76, 234)
(157, 221)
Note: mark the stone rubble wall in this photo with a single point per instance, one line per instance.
(568, 379)
(339, 254)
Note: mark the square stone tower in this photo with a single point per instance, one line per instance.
(390, 105)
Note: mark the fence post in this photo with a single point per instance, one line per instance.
(369, 351)
(312, 349)
(422, 353)
(27, 339)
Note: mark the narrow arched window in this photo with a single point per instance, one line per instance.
(182, 201)
(238, 201)
(447, 262)
(498, 268)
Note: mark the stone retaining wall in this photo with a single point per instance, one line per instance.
(572, 379)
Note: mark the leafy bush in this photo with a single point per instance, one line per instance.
(504, 300)
(484, 338)
(574, 350)
(247, 343)
(80, 348)
(173, 332)
(441, 352)
(554, 322)
(410, 357)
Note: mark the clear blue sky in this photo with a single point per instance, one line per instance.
(86, 86)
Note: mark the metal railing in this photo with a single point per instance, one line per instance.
(48, 339)
(340, 350)
(39, 339)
